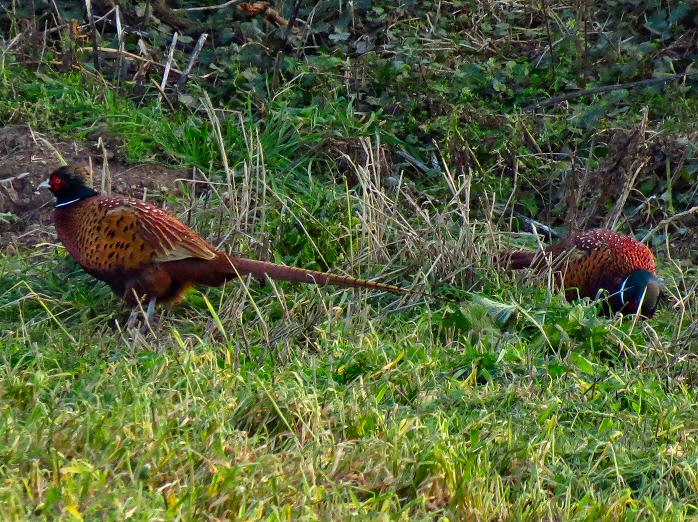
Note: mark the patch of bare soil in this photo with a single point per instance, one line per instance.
(27, 158)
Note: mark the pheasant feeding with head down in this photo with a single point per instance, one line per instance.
(145, 254)
(590, 262)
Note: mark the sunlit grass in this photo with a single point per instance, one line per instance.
(286, 402)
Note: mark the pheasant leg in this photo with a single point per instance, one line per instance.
(148, 315)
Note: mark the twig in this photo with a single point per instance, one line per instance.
(168, 64)
(631, 173)
(289, 27)
(535, 225)
(126, 28)
(97, 20)
(667, 221)
(93, 29)
(192, 59)
(147, 13)
(612, 219)
(132, 56)
(606, 88)
(106, 173)
(419, 165)
(544, 12)
(192, 196)
(19, 176)
(60, 27)
(208, 7)
(162, 94)
(12, 43)
(120, 38)
(37, 137)
(68, 56)
(58, 13)
(43, 46)
(167, 15)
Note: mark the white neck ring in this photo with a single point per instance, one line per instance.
(66, 203)
(622, 291)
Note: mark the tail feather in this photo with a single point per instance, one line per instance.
(518, 259)
(240, 266)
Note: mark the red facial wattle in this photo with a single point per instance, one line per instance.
(56, 183)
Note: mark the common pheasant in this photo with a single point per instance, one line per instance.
(145, 254)
(590, 262)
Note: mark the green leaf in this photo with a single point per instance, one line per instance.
(584, 364)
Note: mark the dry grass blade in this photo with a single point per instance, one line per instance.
(192, 60)
(666, 222)
(631, 172)
(108, 50)
(93, 30)
(168, 65)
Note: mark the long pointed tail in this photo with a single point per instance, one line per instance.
(517, 260)
(240, 266)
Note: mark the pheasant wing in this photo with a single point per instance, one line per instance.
(624, 253)
(147, 234)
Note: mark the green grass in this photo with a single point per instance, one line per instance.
(325, 404)
(383, 414)
(285, 402)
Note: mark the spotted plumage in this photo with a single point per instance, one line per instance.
(143, 252)
(590, 262)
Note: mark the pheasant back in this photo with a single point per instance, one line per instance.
(601, 259)
(125, 234)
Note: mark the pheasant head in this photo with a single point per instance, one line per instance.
(640, 292)
(69, 185)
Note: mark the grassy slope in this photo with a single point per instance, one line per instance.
(288, 402)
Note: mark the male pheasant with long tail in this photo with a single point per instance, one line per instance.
(144, 253)
(590, 262)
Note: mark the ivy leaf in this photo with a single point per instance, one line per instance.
(679, 12)
(657, 24)
(339, 37)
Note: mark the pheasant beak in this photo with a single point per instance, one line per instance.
(43, 185)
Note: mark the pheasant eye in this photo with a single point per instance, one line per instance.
(56, 182)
